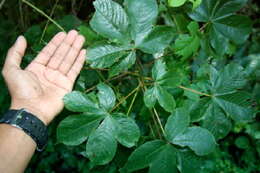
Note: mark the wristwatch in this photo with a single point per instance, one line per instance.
(30, 124)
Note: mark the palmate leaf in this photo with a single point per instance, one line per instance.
(159, 93)
(224, 21)
(177, 123)
(105, 55)
(236, 105)
(200, 140)
(157, 40)
(159, 70)
(127, 132)
(79, 102)
(216, 122)
(164, 98)
(106, 96)
(101, 145)
(225, 85)
(110, 20)
(229, 79)
(142, 15)
(186, 45)
(123, 65)
(75, 129)
(158, 155)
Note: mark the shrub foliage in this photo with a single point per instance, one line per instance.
(168, 86)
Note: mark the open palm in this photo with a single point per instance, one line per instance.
(41, 86)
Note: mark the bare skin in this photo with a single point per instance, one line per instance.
(39, 88)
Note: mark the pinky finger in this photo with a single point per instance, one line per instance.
(77, 66)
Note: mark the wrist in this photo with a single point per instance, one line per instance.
(33, 110)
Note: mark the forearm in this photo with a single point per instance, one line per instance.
(16, 149)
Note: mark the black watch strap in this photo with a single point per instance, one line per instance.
(30, 124)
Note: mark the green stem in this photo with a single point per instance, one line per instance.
(132, 102)
(42, 13)
(159, 121)
(194, 91)
(45, 27)
(124, 98)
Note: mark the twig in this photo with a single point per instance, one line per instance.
(101, 69)
(194, 91)
(111, 79)
(2, 4)
(132, 102)
(124, 98)
(159, 121)
(203, 27)
(44, 14)
(157, 116)
(47, 23)
(21, 15)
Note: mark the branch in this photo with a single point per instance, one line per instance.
(44, 14)
(194, 91)
(124, 98)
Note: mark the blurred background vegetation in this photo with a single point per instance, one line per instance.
(239, 152)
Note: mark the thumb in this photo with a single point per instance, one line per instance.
(15, 53)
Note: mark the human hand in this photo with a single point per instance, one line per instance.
(40, 87)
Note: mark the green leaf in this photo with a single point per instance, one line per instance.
(198, 109)
(214, 9)
(124, 64)
(165, 99)
(177, 123)
(216, 122)
(195, 3)
(75, 129)
(232, 77)
(142, 15)
(143, 155)
(101, 146)
(159, 70)
(242, 142)
(90, 36)
(79, 102)
(158, 155)
(110, 20)
(189, 162)
(221, 14)
(176, 3)
(200, 140)
(106, 96)
(150, 97)
(127, 132)
(165, 161)
(218, 42)
(236, 105)
(187, 45)
(173, 78)
(157, 40)
(105, 55)
(237, 28)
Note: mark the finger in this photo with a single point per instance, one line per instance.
(72, 55)
(62, 50)
(46, 53)
(15, 53)
(77, 66)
